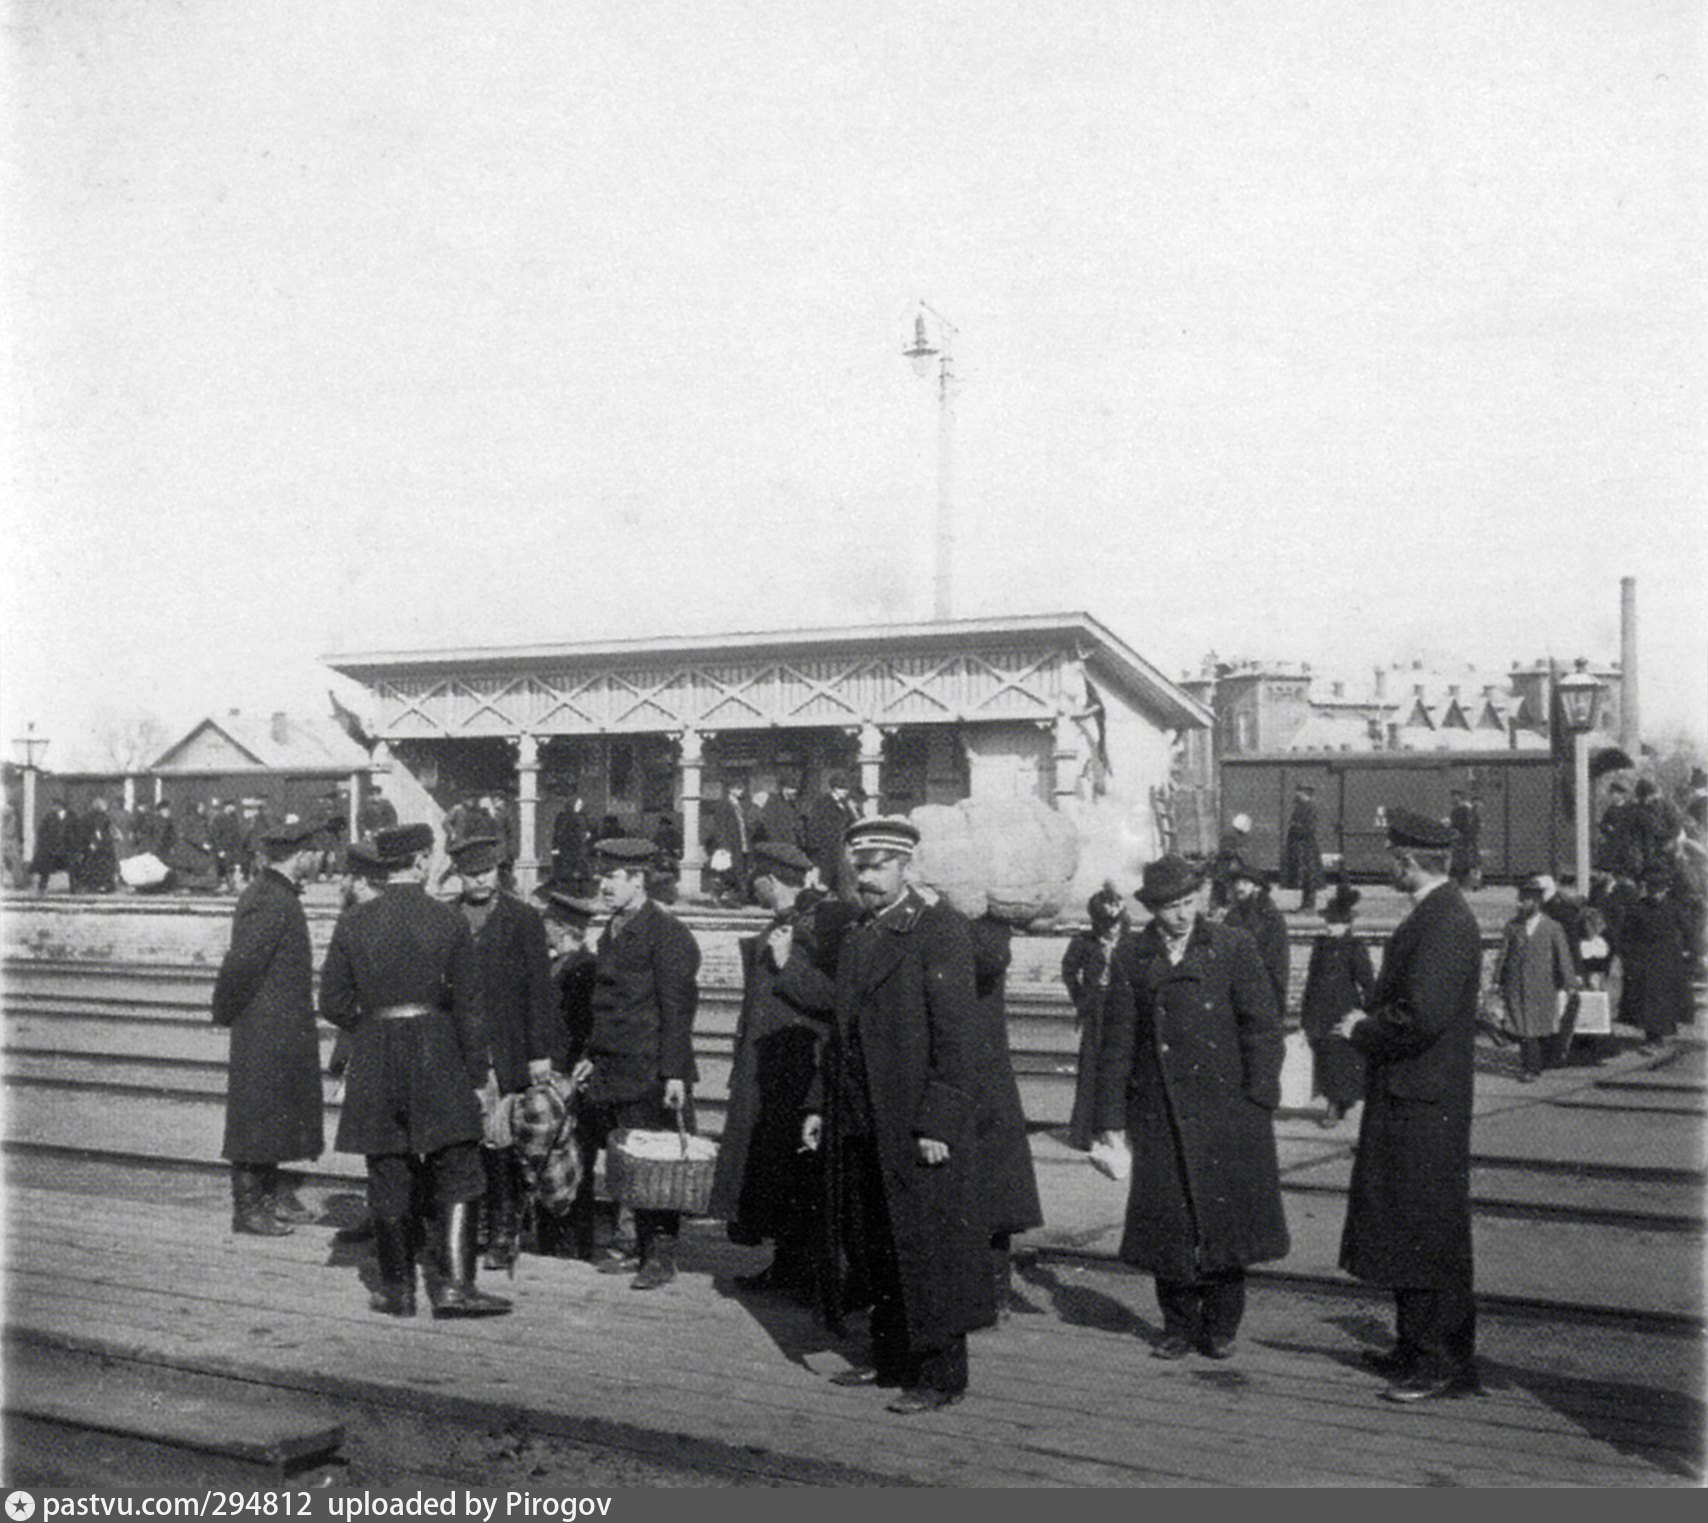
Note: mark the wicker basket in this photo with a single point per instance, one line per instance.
(660, 1171)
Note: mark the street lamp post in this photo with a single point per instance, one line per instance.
(1580, 697)
(33, 747)
(922, 352)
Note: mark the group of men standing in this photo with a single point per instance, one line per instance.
(738, 824)
(869, 1093)
(1189, 1077)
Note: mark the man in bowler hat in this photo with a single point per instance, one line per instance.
(1188, 1080)
(1408, 1215)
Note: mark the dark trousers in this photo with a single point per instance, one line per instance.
(654, 1230)
(1438, 1327)
(900, 1353)
(1210, 1309)
(397, 1181)
(1533, 1053)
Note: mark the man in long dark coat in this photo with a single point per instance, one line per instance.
(1408, 1214)
(96, 864)
(274, 1106)
(401, 976)
(1466, 819)
(1189, 1078)
(1302, 857)
(1254, 912)
(572, 867)
(828, 819)
(56, 838)
(775, 818)
(766, 1187)
(638, 1069)
(730, 841)
(1008, 1182)
(900, 1131)
(519, 1009)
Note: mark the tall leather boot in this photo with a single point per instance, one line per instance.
(394, 1248)
(281, 1198)
(457, 1296)
(250, 1211)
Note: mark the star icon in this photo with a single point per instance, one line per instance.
(20, 1507)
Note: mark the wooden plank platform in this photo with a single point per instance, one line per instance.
(257, 1434)
(1065, 1396)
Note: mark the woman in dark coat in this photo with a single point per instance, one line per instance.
(1191, 1067)
(1008, 1184)
(1654, 951)
(1339, 979)
(1085, 971)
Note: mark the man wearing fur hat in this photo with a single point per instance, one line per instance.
(1408, 1212)
(905, 1227)
(1188, 1081)
(401, 976)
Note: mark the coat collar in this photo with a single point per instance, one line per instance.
(883, 944)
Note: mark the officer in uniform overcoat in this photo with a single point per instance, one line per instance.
(906, 1230)
(1408, 1215)
(401, 977)
(264, 994)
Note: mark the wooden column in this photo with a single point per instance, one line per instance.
(358, 800)
(871, 766)
(527, 812)
(29, 820)
(693, 863)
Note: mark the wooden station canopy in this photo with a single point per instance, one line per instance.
(1059, 684)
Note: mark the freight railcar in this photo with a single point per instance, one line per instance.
(1524, 829)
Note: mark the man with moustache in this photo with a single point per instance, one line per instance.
(899, 1121)
(1408, 1215)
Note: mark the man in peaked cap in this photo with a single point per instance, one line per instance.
(264, 995)
(519, 1009)
(1189, 1076)
(638, 1069)
(899, 1126)
(1301, 855)
(765, 1186)
(402, 977)
(1408, 1215)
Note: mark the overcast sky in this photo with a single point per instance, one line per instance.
(1326, 331)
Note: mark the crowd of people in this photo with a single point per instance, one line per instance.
(213, 847)
(491, 1048)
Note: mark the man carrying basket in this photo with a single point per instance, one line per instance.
(639, 1063)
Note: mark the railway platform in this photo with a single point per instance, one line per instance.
(1592, 1339)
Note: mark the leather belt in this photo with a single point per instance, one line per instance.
(401, 1012)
